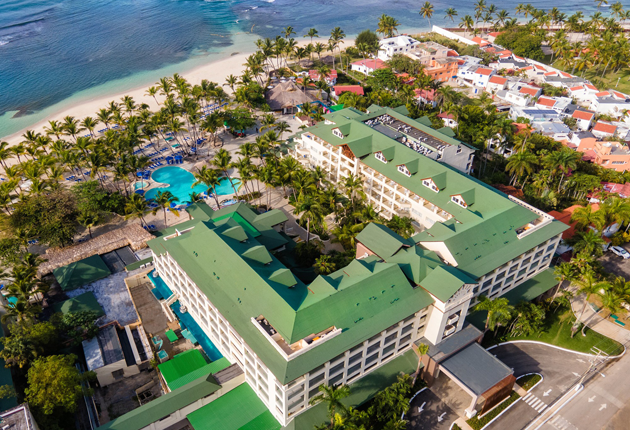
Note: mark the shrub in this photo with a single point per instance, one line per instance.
(478, 423)
(528, 381)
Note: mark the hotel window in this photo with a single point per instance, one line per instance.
(402, 169)
(379, 156)
(458, 200)
(429, 184)
(337, 133)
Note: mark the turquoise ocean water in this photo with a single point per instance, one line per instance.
(55, 53)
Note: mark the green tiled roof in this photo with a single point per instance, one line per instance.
(480, 237)
(360, 299)
(83, 302)
(381, 240)
(81, 272)
(210, 368)
(444, 281)
(181, 365)
(532, 288)
(240, 408)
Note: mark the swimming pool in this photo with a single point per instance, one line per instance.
(140, 184)
(180, 182)
(163, 290)
(189, 322)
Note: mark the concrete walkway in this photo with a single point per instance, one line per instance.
(595, 322)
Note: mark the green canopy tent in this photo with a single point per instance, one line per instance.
(81, 272)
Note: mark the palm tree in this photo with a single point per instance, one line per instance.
(402, 226)
(164, 199)
(421, 350)
(21, 311)
(324, 265)
(450, 14)
(499, 311)
(282, 127)
(136, 207)
(88, 220)
(231, 82)
(211, 179)
(520, 164)
(353, 186)
(311, 211)
(312, 33)
(332, 397)
(584, 217)
(587, 285)
(223, 160)
(467, 23)
(588, 242)
(427, 12)
(387, 25)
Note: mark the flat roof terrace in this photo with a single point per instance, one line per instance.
(399, 130)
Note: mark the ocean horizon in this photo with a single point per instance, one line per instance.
(56, 53)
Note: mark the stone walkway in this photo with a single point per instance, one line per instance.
(595, 322)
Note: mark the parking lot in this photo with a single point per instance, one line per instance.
(615, 264)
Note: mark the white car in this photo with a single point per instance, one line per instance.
(618, 250)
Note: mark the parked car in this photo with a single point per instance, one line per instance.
(618, 250)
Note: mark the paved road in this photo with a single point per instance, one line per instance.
(560, 370)
(428, 412)
(603, 404)
(615, 264)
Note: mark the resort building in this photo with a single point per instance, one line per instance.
(451, 208)
(288, 337)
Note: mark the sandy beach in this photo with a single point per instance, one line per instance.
(215, 71)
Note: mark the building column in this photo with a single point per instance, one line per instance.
(471, 411)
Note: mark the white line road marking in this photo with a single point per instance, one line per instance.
(580, 360)
(576, 374)
(591, 399)
(421, 408)
(602, 407)
(441, 417)
(546, 393)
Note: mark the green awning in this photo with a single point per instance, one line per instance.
(81, 272)
(238, 409)
(181, 365)
(82, 302)
(170, 334)
(533, 287)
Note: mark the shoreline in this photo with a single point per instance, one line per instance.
(229, 62)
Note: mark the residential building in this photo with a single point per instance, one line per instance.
(340, 89)
(492, 36)
(563, 80)
(508, 62)
(612, 155)
(614, 104)
(558, 104)
(391, 46)
(475, 75)
(522, 95)
(584, 119)
(584, 93)
(557, 130)
(603, 130)
(331, 78)
(442, 69)
(116, 353)
(449, 119)
(533, 114)
(496, 83)
(581, 141)
(368, 66)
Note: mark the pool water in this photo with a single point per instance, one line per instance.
(187, 321)
(163, 290)
(180, 184)
(140, 184)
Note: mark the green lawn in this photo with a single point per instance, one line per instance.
(556, 333)
(594, 75)
(528, 381)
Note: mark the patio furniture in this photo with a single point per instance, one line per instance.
(162, 356)
(188, 335)
(172, 337)
(157, 342)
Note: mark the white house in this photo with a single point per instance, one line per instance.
(611, 102)
(396, 45)
(603, 130)
(584, 119)
(496, 83)
(368, 66)
(475, 75)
